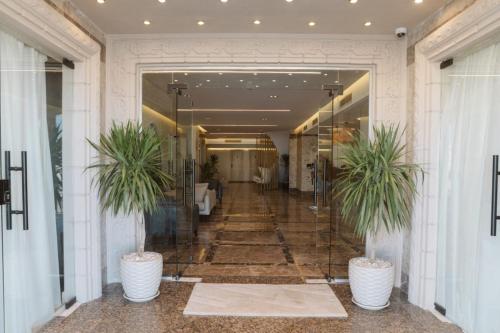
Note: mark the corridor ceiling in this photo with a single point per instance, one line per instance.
(249, 102)
(256, 16)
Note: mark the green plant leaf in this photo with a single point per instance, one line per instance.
(375, 186)
(129, 176)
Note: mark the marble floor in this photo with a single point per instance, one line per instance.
(113, 314)
(273, 239)
(270, 234)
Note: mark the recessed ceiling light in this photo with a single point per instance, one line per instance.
(224, 1)
(241, 80)
(325, 74)
(286, 86)
(289, 0)
(101, 1)
(419, 1)
(353, 1)
(220, 73)
(200, 23)
(336, 81)
(367, 24)
(161, 1)
(312, 24)
(256, 22)
(227, 85)
(257, 86)
(147, 22)
(305, 81)
(264, 119)
(274, 80)
(208, 80)
(290, 74)
(186, 74)
(176, 80)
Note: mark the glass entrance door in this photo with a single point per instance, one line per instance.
(36, 239)
(187, 212)
(170, 230)
(468, 273)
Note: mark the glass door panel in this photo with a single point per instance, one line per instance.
(187, 212)
(159, 113)
(37, 239)
(467, 288)
(337, 124)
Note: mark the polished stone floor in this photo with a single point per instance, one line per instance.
(113, 314)
(251, 238)
(270, 234)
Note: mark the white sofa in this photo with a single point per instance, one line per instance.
(205, 199)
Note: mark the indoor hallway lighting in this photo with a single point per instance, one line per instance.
(367, 24)
(418, 1)
(241, 72)
(233, 125)
(256, 22)
(235, 110)
(101, 1)
(161, 1)
(312, 24)
(200, 23)
(147, 22)
(353, 1)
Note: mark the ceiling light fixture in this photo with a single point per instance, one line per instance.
(312, 24)
(220, 73)
(367, 24)
(248, 71)
(147, 22)
(234, 110)
(208, 80)
(418, 1)
(200, 23)
(227, 86)
(256, 22)
(289, 0)
(286, 86)
(223, 1)
(241, 80)
(353, 1)
(101, 1)
(161, 1)
(232, 125)
(274, 80)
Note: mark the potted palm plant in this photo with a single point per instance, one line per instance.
(130, 181)
(376, 189)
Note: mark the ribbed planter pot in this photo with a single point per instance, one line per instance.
(141, 276)
(371, 282)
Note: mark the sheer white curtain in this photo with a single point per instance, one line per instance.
(31, 281)
(470, 135)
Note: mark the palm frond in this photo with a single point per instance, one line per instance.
(376, 188)
(129, 177)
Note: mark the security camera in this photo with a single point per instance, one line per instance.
(401, 32)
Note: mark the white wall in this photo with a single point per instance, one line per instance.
(382, 55)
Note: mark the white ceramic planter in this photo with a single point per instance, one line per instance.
(371, 282)
(141, 276)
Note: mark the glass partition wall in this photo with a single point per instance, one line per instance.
(37, 239)
(342, 117)
(167, 109)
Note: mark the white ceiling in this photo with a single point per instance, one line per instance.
(303, 99)
(237, 16)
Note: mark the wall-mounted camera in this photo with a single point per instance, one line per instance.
(401, 32)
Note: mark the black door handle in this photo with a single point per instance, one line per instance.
(24, 174)
(494, 196)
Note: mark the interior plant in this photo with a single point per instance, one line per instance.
(209, 169)
(377, 188)
(130, 181)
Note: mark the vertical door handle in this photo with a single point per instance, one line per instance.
(494, 196)
(24, 174)
(193, 182)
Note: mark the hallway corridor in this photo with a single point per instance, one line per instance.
(270, 236)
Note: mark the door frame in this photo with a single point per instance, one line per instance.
(45, 28)
(475, 25)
